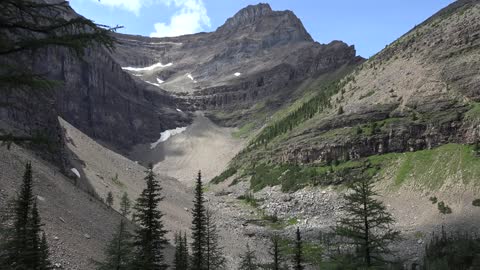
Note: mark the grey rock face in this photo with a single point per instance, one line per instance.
(256, 54)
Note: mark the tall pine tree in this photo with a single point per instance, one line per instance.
(248, 260)
(298, 257)
(24, 248)
(150, 238)
(118, 252)
(366, 224)
(214, 258)
(109, 199)
(186, 254)
(199, 227)
(125, 205)
(276, 254)
(181, 252)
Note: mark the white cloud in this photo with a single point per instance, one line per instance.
(191, 18)
(129, 5)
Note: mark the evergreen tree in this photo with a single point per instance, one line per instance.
(118, 251)
(248, 260)
(178, 252)
(367, 224)
(199, 227)
(109, 199)
(34, 238)
(214, 258)
(298, 258)
(125, 205)
(186, 255)
(150, 238)
(276, 253)
(181, 253)
(24, 248)
(45, 263)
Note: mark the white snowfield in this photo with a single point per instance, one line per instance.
(160, 81)
(190, 76)
(75, 171)
(178, 110)
(156, 84)
(167, 134)
(149, 68)
(237, 74)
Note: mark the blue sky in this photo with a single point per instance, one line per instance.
(367, 24)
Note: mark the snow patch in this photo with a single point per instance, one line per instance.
(237, 74)
(75, 171)
(160, 81)
(164, 136)
(156, 84)
(152, 67)
(190, 76)
(178, 110)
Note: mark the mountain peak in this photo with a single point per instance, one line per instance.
(281, 26)
(248, 15)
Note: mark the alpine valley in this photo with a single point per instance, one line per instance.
(279, 125)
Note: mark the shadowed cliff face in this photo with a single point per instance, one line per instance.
(94, 94)
(256, 54)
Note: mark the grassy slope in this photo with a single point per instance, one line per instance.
(428, 168)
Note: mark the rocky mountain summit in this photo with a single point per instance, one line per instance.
(257, 53)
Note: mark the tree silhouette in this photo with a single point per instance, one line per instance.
(199, 227)
(118, 252)
(298, 256)
(150, 238)
(367, 225)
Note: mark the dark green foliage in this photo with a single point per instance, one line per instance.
(310, 108)
(125, 205)
(444, 208)
(182, 257)
(109, 199)
(358, 130)
(276, 254)
(476, 202)
(454, 251)
(298, 257)
(119, 250)
(293, 177)
(433, 199)
(199, 227)
(25, 245)
(249, 198)
(248, 260)
(149, 241)
(224, 175)
(476, 149)
(366, 224)
(45, 263)
(214, 258)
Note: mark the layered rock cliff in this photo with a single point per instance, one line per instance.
(94, 94)
(257, 53)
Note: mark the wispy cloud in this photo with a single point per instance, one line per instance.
(191, 18)
(129, 5)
